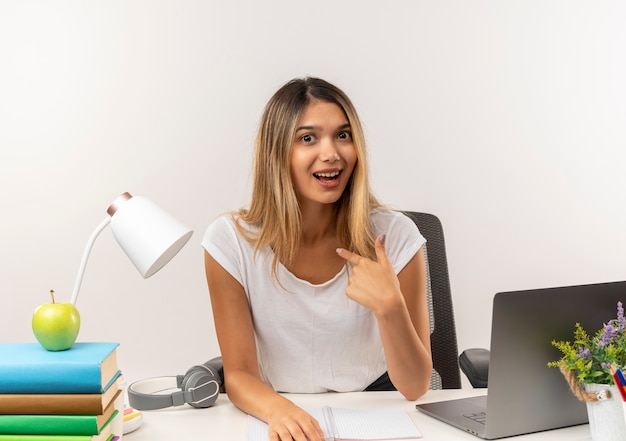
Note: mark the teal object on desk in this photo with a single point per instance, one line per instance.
(28, 368)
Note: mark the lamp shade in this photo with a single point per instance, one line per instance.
(149, 235)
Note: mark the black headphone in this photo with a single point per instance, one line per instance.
(199, 387)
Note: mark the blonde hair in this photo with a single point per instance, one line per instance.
(274, 207)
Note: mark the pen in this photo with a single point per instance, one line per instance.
(622, 380)
(620, 375)
(619, 380)
(620, 388)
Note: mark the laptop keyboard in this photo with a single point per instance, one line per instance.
(479, 417)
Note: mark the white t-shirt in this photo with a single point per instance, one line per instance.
(311, 338)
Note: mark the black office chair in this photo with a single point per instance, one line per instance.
(446, 361)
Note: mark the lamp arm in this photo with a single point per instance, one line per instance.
(83, 263)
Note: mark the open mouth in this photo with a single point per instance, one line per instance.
(327, 177)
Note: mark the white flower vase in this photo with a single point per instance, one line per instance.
(606, 417)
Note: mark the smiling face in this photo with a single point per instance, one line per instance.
(323, 155)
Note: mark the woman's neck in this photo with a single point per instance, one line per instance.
(316, 260)
(319, 223)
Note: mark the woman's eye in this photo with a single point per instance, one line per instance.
(307, 138)
(345, 135)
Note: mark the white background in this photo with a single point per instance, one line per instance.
(505, 118)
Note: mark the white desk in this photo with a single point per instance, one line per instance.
(224, 422)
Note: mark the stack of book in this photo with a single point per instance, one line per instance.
(71, 395)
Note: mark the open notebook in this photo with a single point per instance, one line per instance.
(352, 425)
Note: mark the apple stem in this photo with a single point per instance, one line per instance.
(52, 295)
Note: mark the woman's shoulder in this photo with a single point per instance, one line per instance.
(221, 222)
(403, 237)
(228, 225)
(384, 218)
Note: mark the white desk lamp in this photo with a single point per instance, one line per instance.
(149, 236)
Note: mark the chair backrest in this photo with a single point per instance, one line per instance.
(446, 371)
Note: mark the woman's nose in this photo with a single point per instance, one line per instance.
(329, 152)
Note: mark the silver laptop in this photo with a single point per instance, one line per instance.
(524, 394)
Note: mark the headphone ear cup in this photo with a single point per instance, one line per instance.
(199, 376)
(216, 365)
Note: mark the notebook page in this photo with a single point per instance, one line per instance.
(374, 424)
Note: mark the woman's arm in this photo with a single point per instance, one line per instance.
(235, 334)
(401, 309)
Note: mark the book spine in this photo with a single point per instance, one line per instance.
(49, 424)
(51, 379)
(59, 381)
(330, 427)
(51, 404)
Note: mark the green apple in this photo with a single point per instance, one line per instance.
(56, 325)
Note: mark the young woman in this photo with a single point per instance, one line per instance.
(316, 286)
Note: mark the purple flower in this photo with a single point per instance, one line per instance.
(620, 317)
(584, 353)
(608, 335)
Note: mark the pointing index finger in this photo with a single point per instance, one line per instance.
(349, 256)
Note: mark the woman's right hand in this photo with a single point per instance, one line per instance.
(290, 423)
